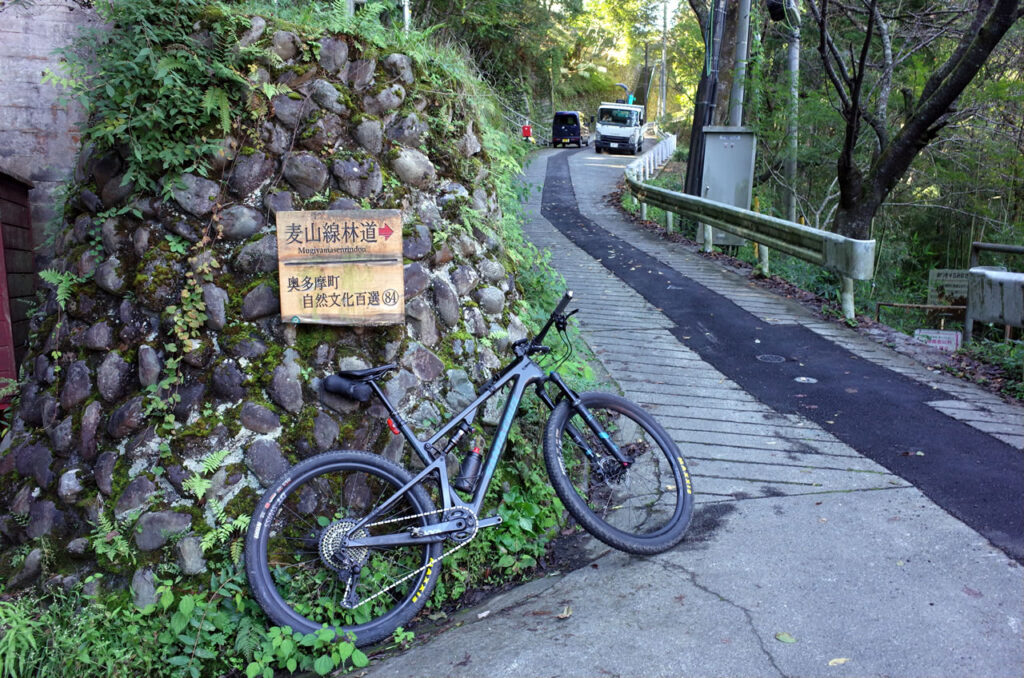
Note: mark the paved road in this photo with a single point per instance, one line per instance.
(797, 530)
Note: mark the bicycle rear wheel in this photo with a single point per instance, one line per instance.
(644, 508)
(301, 571)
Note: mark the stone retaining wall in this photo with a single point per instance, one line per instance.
(119, 412)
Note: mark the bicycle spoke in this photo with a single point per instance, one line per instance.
(305, 556)
(628, 506)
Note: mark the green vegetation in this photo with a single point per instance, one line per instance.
(213, 630)
(1007, 356)
(169, 96)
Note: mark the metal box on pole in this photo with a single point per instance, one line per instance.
(728, 173)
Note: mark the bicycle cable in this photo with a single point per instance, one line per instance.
(567, 353)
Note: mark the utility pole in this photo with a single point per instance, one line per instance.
(792, 126)
(707, 90)
(663, 103)
(737, 92)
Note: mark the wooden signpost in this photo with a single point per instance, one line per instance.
(341, 267)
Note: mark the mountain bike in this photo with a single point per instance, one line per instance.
(353, 541)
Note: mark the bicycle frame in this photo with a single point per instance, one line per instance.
(521, 374)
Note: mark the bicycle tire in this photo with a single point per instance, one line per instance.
(297, 527)
(643, 509)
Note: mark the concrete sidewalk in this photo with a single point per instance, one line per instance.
(804, 557)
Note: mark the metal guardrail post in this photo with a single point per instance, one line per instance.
(846, 297)
(762, 260)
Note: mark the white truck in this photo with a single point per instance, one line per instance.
(619, 127)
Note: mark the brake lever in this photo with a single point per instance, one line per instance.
(521, 347)
(562, 321)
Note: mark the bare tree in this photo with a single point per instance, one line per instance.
(861, 44)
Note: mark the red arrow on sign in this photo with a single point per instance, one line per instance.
(386, 231)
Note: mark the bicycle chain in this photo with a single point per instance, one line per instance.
(476, 528)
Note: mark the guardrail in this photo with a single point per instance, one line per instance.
(994, 297)
(851, 259)
(978, 247)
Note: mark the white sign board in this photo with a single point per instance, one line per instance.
(945, 340)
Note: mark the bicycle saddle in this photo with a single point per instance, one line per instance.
(353, 383)
(369, 374)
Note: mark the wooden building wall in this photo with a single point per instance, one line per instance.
(17, 284)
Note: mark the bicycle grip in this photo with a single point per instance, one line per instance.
(356, 390)
(566, 298)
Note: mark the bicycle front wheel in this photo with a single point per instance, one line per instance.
(642, 508)
(301, 569)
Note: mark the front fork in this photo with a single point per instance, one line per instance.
(576, 404)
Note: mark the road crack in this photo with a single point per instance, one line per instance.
(692, 576)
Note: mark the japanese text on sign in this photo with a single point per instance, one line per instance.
(341, 267)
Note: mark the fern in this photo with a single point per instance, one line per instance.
(247, 638)
(223, 533)
(197, 485)
(167, 66)
(271, 90)
(237, 547)
(108, 541)
(214, 460)
(216, 100)
(64, 282)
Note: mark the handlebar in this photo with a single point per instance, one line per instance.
(528, 346)
(553, 317)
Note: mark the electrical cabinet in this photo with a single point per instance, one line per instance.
(728, 173)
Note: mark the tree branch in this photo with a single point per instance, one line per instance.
(933, 110)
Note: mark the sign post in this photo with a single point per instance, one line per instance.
(341, 267)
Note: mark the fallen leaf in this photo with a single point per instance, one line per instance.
(437, 616)
(784, 637)
(839, 661)
(566, 613)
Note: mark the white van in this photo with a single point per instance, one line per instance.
(619, 127)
